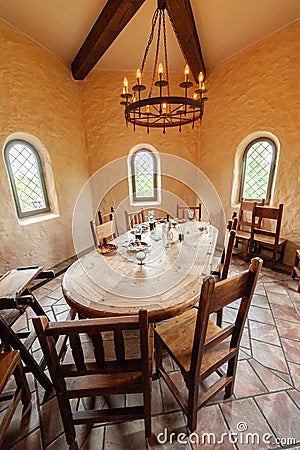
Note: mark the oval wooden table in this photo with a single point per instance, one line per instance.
(167, 284)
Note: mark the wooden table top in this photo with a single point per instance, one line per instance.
(167, 284)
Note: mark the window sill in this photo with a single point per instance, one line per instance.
(146, 204)
(39, 218)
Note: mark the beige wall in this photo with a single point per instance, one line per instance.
(39, 98)
(258, 90)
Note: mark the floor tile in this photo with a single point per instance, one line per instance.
(291, 349)
(285, 313)
(295, 374)
(261, 315)
(247, 382)
(31, 442)
(269, 355)
(290, 330)
(167, 428)
(275, 287)
(212, 431)
(20, 426)
(245, 418)
(268, 378)
(129, 435)
(264, 332)
(279, 299)
(295, 396)
(260, 300)
(281, 413)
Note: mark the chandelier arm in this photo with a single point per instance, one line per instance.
(166, 52)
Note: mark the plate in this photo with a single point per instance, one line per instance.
(181, 220)
(138, 246)
(107, 249)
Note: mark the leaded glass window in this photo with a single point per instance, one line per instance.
(144, 184)
(26, 177)
(258, 170)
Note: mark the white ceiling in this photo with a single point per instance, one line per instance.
(225, 27)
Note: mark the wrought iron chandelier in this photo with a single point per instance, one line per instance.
(165, 110)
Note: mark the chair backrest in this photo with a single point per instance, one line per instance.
(182, 211)
(134, 218)
(227, 252)
(245, 214)
(99, 362)
(106, 228)
(214, 297)
(274, 217)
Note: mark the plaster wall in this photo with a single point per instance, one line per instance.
(257, 92)
(39, 98)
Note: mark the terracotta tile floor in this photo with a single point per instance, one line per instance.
(267, 392)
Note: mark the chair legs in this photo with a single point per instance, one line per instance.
(219, 317)
(67, 418)
(231, 372)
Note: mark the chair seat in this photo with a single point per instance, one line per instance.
(240, 234)
(176, 334)
(267, 240)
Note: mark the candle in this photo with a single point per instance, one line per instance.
(200, 79)
(160, 71)
(164, 108)
(126, 85)
(186, 73)
(147, 109)
(195, 96)
(138, 76)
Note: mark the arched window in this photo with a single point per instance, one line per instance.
(26, 177)
(258, 170)
(144, 176)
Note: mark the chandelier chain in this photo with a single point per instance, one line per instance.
(166, 52)
(156, 54)
(180, 46)
(154, 20)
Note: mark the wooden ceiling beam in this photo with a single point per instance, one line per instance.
(181, 16)
(111, 21)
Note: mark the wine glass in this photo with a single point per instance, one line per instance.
(140, 256)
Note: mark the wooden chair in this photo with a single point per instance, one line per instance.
(183, 210)
(11, 365)
(15, 298)
(106, 229)
(265, 238)
(222, 272)
(243, 234)
(134, 218)
(94, 367)
(199, 347)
